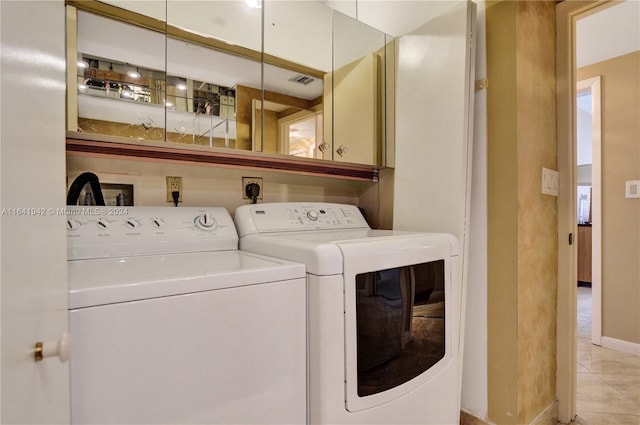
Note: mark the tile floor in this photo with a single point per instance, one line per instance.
(608, 381)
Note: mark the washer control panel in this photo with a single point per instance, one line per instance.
(294, 216)
(102, 232)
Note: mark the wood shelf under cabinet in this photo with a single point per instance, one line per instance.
(85, 144)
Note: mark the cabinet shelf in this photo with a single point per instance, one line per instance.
(85, 144)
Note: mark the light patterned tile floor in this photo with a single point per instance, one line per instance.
(608, 381)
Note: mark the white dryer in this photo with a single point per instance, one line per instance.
(172, 324)
(383, 312)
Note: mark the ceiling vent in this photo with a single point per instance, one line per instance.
(302, 79)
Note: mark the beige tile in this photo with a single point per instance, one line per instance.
(627, 385)
(597, 396)
(614, 363)
(605, 361)
(613, 419)
(582, 369)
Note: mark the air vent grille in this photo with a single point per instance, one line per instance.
(302, 79)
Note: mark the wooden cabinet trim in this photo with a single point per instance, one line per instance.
(96, 145)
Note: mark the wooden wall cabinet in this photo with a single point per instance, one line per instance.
(584, 253)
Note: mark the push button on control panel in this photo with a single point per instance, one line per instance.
(312, 215)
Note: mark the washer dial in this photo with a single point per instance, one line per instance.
(205, 222)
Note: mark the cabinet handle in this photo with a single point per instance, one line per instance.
(342, 149)
(60, 348)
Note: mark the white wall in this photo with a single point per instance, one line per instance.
(609, 33)
(219, 186)
(584, 119)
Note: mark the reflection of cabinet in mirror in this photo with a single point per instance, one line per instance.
(192, 53)
(584, 253)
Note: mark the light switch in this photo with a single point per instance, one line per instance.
(550, 182)
(633, 189)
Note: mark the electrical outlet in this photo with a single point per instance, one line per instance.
(249, 180)
(173, 184)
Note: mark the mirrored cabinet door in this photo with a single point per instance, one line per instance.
(118, 84)
(213, 57)
(291, 78)
(298, 47)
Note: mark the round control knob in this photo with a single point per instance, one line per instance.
(73, 224)
(132, 224)
(206, 221)
(103, 224)
(157, 223)
(312, 215)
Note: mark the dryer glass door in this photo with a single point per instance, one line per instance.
(399, 316)
(400, 324)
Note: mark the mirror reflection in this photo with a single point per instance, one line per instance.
(120, 79)
(216, 44)
(308, 84)
(286, 129)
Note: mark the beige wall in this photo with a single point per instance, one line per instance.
(217, 186)
(620, 216)
(522, 239)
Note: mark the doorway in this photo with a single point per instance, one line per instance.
(588, 174)
(568, 15)
(299, 134)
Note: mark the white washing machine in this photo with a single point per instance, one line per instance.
(384, 312)
(172, 324)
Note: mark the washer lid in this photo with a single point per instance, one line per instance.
(113, 280)
(321, 251)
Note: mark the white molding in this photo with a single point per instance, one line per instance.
(621, 345)
(548, 416)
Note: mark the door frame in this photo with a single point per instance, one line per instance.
(593, 85)
(567, 13)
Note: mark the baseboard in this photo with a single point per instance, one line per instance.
(620, 345)
(549, 416)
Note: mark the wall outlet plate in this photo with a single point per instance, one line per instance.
(249, 180)
(632, 189)
(110, 191)
(550, 182)
(173, 184)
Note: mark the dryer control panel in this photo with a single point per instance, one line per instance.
(297, 216)
(102, 232)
